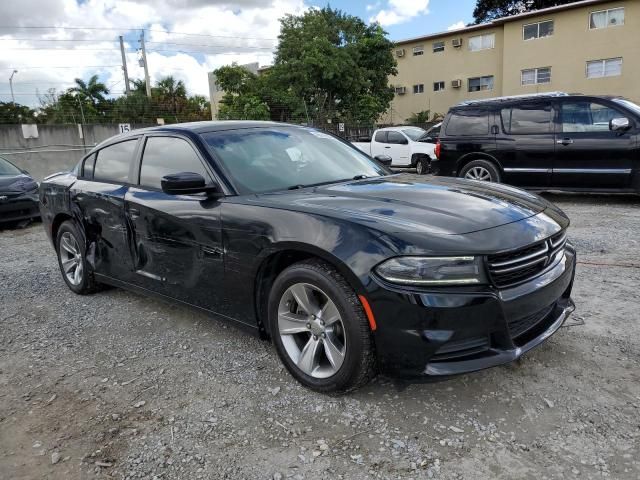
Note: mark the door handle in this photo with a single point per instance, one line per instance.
(565, 141)
(387, 147)
(134, 213)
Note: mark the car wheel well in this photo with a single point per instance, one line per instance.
(275, 264)
(57, 221)
(466, 161)
(417, 156)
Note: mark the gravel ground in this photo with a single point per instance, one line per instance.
(118, 385)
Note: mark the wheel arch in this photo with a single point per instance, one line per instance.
(470, 157)
(280, 258)
(58, 220)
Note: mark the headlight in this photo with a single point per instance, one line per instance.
(432, 271)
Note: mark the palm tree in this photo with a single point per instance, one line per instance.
(138, 86)
(93, 90)
(171, 90)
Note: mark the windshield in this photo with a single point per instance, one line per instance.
(630, 105)
(279, 158)
(414, 133)
(7, 168)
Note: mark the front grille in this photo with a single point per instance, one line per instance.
(523, 325)
(518, 266)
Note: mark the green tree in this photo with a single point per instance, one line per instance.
(14, 113)
(171, 92)
(242, 99)
(336, 64)
(92, 91)
(419, 117)
(487, 10)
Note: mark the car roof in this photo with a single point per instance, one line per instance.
(399, 128)
(194, 127)
(510, 100)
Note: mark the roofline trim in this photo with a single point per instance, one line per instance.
(501, 21)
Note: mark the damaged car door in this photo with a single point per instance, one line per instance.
(97, 198)
(175, 239)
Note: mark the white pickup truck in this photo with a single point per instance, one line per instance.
(405, 145)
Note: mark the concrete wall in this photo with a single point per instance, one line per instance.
(57, 148)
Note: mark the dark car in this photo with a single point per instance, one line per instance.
(303, 239)
(18, 194)
(544, 142)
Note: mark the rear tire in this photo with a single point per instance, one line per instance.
(319, 328)
(71, 250)
(422, 165)
(482, 170)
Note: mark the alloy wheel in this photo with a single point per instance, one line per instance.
(71, 258)
(311, 330)
(478, 173)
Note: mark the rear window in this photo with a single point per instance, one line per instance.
(468, 122)
(527, 119)
(112, 163)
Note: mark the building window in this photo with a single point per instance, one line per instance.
(482, 42)
(610, 67)
(478, 84)
(537, 30)
(438, 86)
(534, 76)
(419, 50)
(438, 47)
(418, 88)
(606, 18)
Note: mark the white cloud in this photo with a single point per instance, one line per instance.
(217, 33)
(400, 11)
(457, 26)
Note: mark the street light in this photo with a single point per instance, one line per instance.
(13, 99)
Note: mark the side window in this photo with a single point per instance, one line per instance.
(396, 138)
(527, 119)
(468, 122)
(381, 136)
(166, 155)
(87, 167)
(112, 162)
(587, 117)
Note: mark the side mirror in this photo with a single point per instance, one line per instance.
(619, 124)
(187, 183)
(383, 159)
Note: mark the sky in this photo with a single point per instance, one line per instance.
(51, 42)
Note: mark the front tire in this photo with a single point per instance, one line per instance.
(319, 328)
(74, 267)
(482, 170)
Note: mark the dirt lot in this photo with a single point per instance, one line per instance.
(117, 385)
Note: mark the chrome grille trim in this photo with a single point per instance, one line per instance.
(512, 268)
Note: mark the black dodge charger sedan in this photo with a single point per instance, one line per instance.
(298, 236)
(18, 194)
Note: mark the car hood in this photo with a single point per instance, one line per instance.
(441, 206)
(6, 182)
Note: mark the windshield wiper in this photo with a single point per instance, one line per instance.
(359, 177)
(296, 187)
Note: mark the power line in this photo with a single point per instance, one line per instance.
(63, 66)
(167, 32)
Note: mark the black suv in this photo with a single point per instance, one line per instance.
(546, 141)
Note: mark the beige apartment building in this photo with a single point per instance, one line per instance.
(591, 47)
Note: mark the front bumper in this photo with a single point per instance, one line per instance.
(466, 329)
(20, 207)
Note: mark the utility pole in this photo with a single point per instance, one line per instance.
(127, 88)
(144, 63)
(13, 99)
